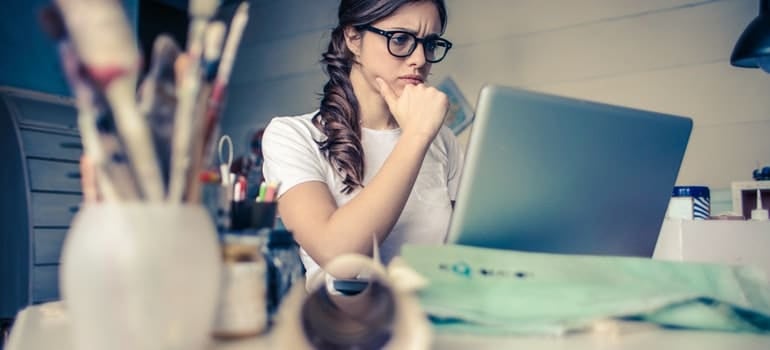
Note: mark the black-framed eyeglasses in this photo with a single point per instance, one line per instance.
(402, 44)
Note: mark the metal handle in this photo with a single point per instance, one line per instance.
(72, 145)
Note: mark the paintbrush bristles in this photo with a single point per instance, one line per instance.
(165, 49)
(113, 44)
(164, 54)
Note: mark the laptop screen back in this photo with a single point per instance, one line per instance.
(552, 174)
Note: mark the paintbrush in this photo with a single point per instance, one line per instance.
(116, 166)
(157, 99)
(188, 94)
(234, 36)
(91, 107)
(212, 52)
(222, 78)
(104, 40)
(213, 39)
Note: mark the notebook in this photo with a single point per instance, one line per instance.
(546, 173)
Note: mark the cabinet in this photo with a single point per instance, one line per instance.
(40, 184)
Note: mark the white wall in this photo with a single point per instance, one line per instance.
(670, 56)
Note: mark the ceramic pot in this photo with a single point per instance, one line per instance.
(141, 276)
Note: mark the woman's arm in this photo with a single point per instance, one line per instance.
(323, 229)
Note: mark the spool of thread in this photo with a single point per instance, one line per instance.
(383, 315)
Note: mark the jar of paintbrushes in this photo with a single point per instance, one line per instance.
(141, 263)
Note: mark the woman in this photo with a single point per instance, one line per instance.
(375, 160)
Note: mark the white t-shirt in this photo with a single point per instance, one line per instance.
(292, 157)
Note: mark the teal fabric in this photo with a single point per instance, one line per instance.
(507, 292)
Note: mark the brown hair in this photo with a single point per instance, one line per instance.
(338, 117)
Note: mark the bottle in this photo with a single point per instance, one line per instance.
(284, 267)
(242, 310)
(760, 213)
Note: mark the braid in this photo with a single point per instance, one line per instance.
(338, 116)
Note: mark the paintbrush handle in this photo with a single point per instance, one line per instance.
(137, 137)
(192, 193)
(234, 35)
(181, 142)
(104, 40)
(185, 121)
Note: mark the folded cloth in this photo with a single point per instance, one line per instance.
(509, 292)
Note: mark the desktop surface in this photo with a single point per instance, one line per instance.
(45, 327)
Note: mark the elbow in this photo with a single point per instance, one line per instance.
(328, 248)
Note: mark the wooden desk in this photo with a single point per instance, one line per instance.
(43, 327)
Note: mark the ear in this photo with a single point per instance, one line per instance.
(353, 40)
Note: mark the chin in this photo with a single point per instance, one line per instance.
(399, 88)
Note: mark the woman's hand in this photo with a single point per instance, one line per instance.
(419, 111)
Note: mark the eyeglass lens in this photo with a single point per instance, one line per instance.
(402, 44)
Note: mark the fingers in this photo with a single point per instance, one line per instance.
(387, 93)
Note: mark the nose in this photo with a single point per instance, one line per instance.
(417, 58)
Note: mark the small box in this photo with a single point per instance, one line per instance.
(745, 196)
(689, 202)
(715, 241)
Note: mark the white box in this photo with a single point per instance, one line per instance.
(745, 196)
(717, 241)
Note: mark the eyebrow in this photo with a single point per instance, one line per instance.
(408, 30)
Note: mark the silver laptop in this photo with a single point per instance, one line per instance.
(552, 174)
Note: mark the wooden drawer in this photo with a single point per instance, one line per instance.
(44, 112)
(49, 209)
(52, 146)
(45, 283)
(48, 245)
(46, 175)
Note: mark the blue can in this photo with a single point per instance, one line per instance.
(696, 201)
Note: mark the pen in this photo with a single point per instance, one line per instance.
(262, 192)
(239, 193)
(270, 192)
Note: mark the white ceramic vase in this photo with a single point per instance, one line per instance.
(141, 276)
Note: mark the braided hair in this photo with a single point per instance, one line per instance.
(338, 117)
